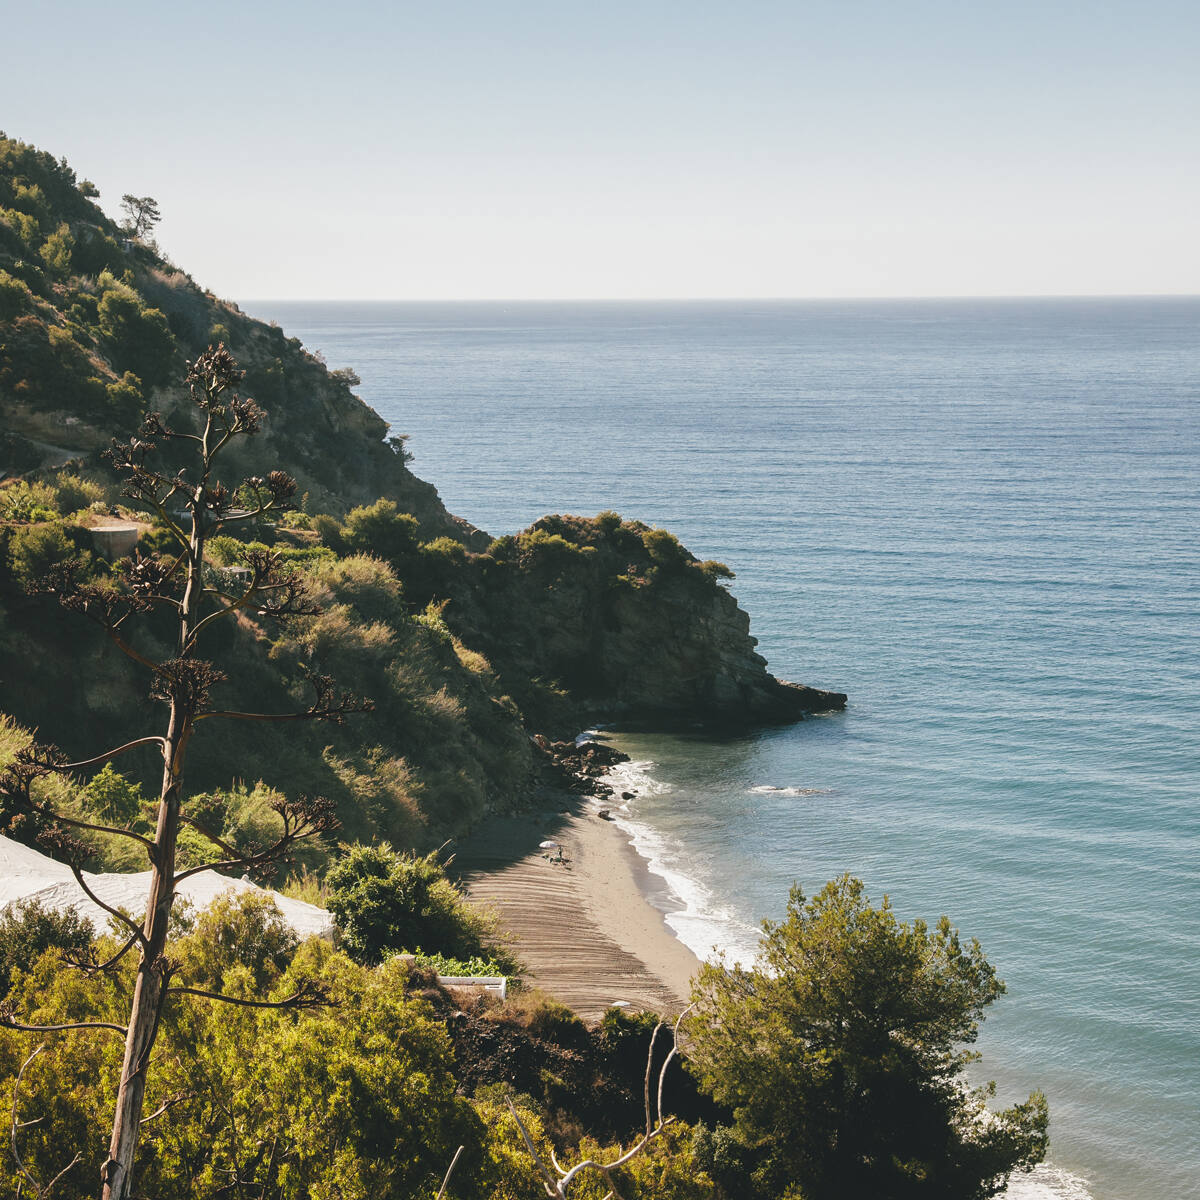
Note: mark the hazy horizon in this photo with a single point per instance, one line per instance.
(649, 150)
(708, 299)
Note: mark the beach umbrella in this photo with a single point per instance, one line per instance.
(548, 846)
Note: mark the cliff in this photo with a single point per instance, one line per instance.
(468, 645)
(589, 619)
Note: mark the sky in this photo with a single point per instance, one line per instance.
(519, 149)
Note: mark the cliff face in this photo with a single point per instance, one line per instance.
(625, 621)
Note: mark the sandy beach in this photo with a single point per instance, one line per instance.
(583, 926)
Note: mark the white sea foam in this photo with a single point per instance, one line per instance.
(768, 789)
(692, 912)
(703, 924)
(1047, 1182)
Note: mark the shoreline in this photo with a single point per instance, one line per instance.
(585, 928)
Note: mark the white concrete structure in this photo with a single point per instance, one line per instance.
(26, 874)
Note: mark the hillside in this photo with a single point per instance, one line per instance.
(95, 329)
(467, 645)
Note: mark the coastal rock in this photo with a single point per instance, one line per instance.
(620, 624)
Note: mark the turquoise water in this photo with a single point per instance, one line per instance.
(979, 520)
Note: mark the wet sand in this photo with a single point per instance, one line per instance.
(583, 927)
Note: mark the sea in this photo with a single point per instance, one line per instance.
(979, 519)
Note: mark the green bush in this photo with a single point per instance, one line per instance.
(15, 296)
(842, 1054)
(34, 550)
(330, 532)
(74, 492)
(113, 798)
(714, 571)
(381, 529)
(537, 548)
(445, 964)
(139, 337)
(57, 249)
(126, 399)
(23, 502)
(664, 548)
(383, 900)
(28, 930)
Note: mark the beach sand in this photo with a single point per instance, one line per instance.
(583, 927)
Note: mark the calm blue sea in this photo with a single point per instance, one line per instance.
(979, 519)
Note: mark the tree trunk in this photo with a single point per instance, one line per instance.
(150, 989)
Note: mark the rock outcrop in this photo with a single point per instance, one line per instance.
(613, 621)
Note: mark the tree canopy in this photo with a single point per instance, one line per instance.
(142, 214)
(842, 1054)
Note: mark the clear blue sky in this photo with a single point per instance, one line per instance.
(518, 149)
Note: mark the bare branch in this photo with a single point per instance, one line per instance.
(22, 1169)
(109, 755)
(551, 1183)
(449, 1172)
(90, 966)
(662, 1075)
(7, 1021)
(329, 705)
(54, 815)
(649, 1068)
(205, 832)
(129, 652)
(303, 817)
(557, 1181)
(309, 995)
(32, 763)
(163, 1107)
(128, 922)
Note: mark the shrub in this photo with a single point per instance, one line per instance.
(15, 296)
(75, 492)
(239, 930)
(368, 585)
(541, 1015)
(664, 548)
(35, 550)
(112, 797)
(329, 531)
(126, 400)
(446, 964)
(714, 571)
(139, 337)
(385, 901)
(28, 930)
(23, 502)
(381, 529)
(504, 549)
(57, 249)
(537, 548)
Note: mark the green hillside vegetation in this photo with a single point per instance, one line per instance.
(95, 328)
(469, 647)
(370, 1094)
(464, 655)
(363, 1098)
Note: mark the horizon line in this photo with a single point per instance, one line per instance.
(716, 299)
